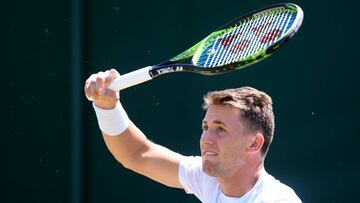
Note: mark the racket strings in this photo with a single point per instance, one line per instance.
(247, 37)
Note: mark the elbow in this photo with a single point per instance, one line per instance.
(132, 164)
(128, 164)
(133, 161)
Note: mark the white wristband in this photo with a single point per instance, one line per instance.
(112, 121)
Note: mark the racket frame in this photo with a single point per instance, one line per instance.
(174, 64)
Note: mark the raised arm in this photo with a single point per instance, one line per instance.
(125, 141)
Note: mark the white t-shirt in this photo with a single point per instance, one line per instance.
(266, 190)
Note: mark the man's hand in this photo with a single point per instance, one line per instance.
(96, 89)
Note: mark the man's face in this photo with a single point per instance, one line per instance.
(224, 141)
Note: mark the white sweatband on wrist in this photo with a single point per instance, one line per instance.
(112, 121)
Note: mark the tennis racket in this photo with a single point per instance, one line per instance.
(236, 45)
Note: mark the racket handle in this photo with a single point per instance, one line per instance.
(131, 79)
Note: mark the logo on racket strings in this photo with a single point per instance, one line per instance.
(261, 32)
(266, 35)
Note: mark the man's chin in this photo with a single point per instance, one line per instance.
(209, 169)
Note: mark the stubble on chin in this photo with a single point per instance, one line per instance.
(209, 169)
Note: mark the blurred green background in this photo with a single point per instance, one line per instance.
(50, 146)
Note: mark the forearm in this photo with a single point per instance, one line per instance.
(128, 147)
(135, 152)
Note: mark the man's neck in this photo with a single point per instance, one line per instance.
(241, 182)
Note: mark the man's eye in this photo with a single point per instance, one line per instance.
(204, 128)
(220, 129)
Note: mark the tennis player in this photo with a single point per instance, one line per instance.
(238, 129)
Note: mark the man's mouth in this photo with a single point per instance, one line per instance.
(207, 153)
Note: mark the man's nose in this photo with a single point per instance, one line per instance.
(207, 137)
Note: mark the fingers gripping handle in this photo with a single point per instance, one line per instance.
(131, 79)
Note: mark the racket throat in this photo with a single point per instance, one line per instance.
(161, 70)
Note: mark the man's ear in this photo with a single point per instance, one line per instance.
(257, 142)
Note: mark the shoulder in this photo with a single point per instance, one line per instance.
(195, 181)
(191, 167)
(191, 162)
(274, 190)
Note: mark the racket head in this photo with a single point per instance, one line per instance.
(247, 40)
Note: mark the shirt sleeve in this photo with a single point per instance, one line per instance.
(190, 175)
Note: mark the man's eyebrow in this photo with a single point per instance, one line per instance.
(219, 122)
(215, 122)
